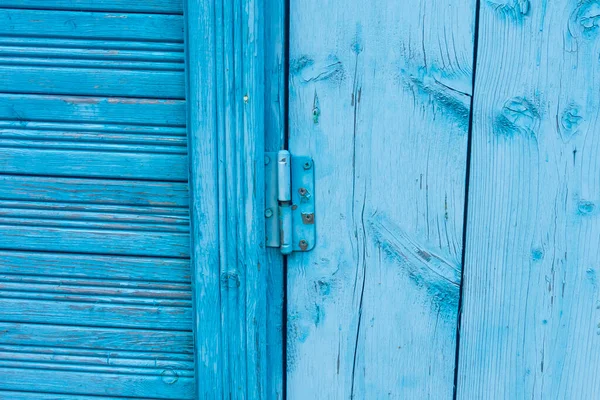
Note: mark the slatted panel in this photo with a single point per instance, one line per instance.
(153, 6)
(95, 296)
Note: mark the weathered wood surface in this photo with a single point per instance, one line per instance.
(95, 283)
(275, 46)
(380, 97)
(152, 6)
(236, 312)
(531, 296)
(95, 26)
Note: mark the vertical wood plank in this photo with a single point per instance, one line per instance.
(201, 97)
(380, 96)
(530, 325)
(227, 65)
(275, 120)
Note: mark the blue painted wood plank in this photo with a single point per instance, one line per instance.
(95, 314)
(91, 25)
(166, 273)
(111, 114)
(92, 82)
(380, 97)
(66, 357)
(89, 54)
(167, 386)
(98, 164)
(275, 129)
(153, 6)
(226, 120)
(530, 308)
(94, 191)
(205, 251)
(7, 394)
(78, 44)
(102, 339)
(94, 241)
(95, 285)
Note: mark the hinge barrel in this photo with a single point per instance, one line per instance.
(289, 202)
(284, 190)
(286, 229)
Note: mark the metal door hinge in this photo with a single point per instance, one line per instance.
(290, 202)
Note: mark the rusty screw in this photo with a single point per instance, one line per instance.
(303, 245)
(308, 218)
(302, 191)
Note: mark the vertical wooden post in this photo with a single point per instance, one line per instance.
(225, 44)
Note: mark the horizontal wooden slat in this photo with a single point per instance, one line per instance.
(63, 291)
(98, 25)
(97, 357)
(23, 108)
(94, 217)
(20, 360)
(92, 82)
(94, 191)
(91, 43)
(98, 67)
(90, 268)
(48, 52)
(89, 285)
(159, 244)
(167, 386)
(92, 142)
(125, 165)
(97, 315)
(12, 395)
(77, 337)
(148, 143)
(154, 6)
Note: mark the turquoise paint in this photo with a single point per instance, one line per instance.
(94, 205)
(237, 282)
(131, 150)
(530, 294)
(380, 97)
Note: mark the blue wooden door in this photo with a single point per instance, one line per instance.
(95, 287)
(380, 96)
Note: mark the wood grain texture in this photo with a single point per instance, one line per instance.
(205, 252)
(275, 128)
(226, 44)
(152, 6)
(112, 113)
(96, 383)
(100, 192)
(104, 340)
(91, 25)
(530, 317)
(96, 164)
(95, 282)
(167, 273)
(91, 82)
(380, 97)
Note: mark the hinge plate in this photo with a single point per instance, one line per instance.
(303, 202)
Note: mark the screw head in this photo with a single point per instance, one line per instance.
(307, 165)
(302, 191)
(268, 213)
(303, 245)
(308, 218)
